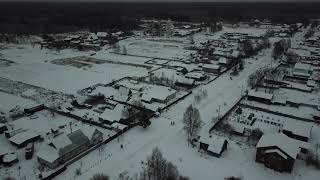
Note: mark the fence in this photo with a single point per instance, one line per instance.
(226, 114)
(278, 113)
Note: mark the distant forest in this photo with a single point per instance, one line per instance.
(34, 18)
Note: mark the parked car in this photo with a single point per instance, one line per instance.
(29, 151)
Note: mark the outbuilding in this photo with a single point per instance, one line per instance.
(22, 139)
(260, 96)
(298, 130)
(213, 145)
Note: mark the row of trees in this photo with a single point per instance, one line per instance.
(255, 77)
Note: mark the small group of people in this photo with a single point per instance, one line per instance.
(172, 123)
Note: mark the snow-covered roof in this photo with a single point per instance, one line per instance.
(2, 125)
(157, 92)
(9, 158)
(302, 66)
(283, 142)
(113, 114)
(48, 153)
(23, 137)
(215, 143)
(277, 151)
(89, 132)
(195, 75)
(260, 94)
(211, 66)
(61, 142)
(223, 60)
(298, 128)
(185, 80)
(102, 34)
(237, 127)
(118, 126)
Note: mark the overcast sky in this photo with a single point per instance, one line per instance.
(167, 0)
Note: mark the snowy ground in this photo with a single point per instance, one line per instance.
(223, 93)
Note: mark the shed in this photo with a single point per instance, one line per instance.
(211, 68)
(213, 145)
(22, 139)
(260, 96)
(298, 130)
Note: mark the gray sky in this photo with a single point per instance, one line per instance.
(166, 0)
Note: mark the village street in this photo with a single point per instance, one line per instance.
(223, 93)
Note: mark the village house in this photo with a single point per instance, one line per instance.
(185, 82)
(298, 130)
(226, 62)
(211, 68)
(277, 151)
(213, 145)
(196, 75)
(110, 116)
(302, 70)
(65, 147)
(159, 94)
(260, 96)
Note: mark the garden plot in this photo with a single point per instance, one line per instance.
(68, 79)
(301, 111)
(142, 47)
(78, 62)
(157, 61)
(122, 58)
(9, 101)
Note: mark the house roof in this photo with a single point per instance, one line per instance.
(157, 92)
(78, 137)
(299, 128)
(23, 137)
(215, 143)
(283, 142)
(260, 94)
(302, 66)
(61, 142)
(113, 114)
(211, 66)
(118, 126)
(9, 158)
(48, 153)
(2, 125)
(277, 151)
(195, 75)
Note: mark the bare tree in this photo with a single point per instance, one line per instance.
(158, 168)
(192, 121)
